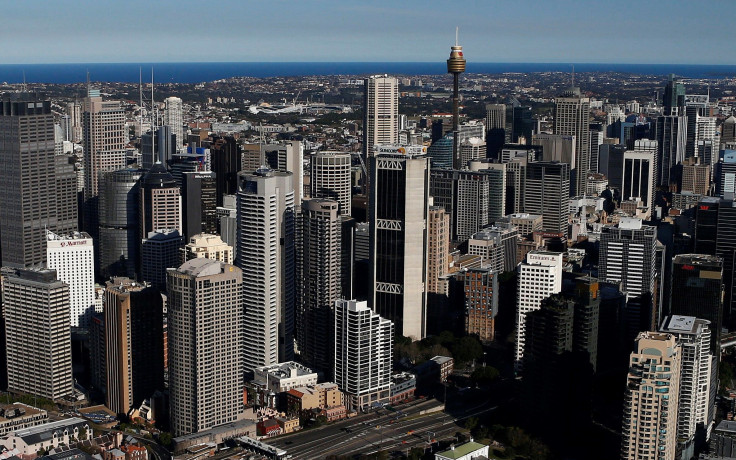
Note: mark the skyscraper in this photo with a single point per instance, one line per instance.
(72, 256)
(319, 266)
(539, 277)
(265, 253)
(522, 125)
(671, 133)
(649, 430)
(697, 376)
(34, 199)
(119, 231)
(199, 203)
(627, 254)
(174, 118)
(288, 157)
(638, 177)
(226, 163)
(134, 342)
(363, 353)
(381, 112)
(38, 333)
(205, 329)
(438, 247)
(104, 134)
(398, 237)
(480, 286)
(495, 129)
(207, 246)
(160, 205)
(456, 66)
(547, 194)
(160, 250)
(699, 282)
(572, 118)
(330, 178)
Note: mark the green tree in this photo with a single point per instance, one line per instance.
(416, 453)
(164, 438)
(467, 349)
(471, 423)
(484, 375)
(725, 371)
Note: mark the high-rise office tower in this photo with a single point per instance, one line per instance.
(209, 247)
(471, 149)
(381, 112)
(671, 133)
(638, 177)
(440, 152)
(456, 66)
(199, 203)
(363, 352)
(227, 216)
(74, 111)
(496, 245)
(288, 157)
(495, 129)
(728, 130)
(265, 253)
(319, 269)
(480, 288)
(596, 140)
(205, 330)
(699, 282)
(706, 226)
(330, 178)
(72, 256)
(38, 333)
(174, 119)
(35, 195)
(347, 256)
(134, 343)
(119, 232)
(438, 246)
(399, 203)
(160, 250)
(697, 376)
(158, 146)
(160, 201)
(715, 234)
(522, 125)
(104, 147)
(547, 194)
(539, 277)
(557, 147)
(560, 351)
(610, 163)
(226, 163)
(627, 255)
(572, 118)
(695, 177)
(649, 430)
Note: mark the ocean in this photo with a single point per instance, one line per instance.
(183, 72)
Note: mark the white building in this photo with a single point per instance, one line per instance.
(363, 353)
(330, 178)
(465, 451)
(697, 378)
(174, 118)
(207, 246)
(48, 436)
(539, 277)
(72, 256)
(283, 377)
(266, 254)
(381, 117)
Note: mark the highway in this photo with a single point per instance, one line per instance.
(378, 431)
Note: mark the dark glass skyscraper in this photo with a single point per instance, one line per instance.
(29, 181)
(697, 281)
(226, 163)
(199, 203)
(522, 124)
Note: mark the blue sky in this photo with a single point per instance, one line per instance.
(620, 31)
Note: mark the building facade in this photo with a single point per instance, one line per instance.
(72, 256)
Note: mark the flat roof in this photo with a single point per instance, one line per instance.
(462, 450)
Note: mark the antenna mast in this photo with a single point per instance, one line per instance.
(573, 76)
(153, 123)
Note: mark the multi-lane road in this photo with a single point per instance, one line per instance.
(382, 430)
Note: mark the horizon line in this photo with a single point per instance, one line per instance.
(365, 62)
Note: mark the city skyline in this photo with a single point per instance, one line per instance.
(331, 31)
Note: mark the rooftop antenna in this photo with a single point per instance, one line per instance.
(153, 123)
(23, 88)
(573, 75)
(87, 82)
(457, 29)
(140, 96)
(263, 154)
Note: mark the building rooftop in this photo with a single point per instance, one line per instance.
(727, 426)
(680, 324)
(462, 450)
(39, 433)
(202, 267)
(51, 236)
(288, 369)
(705, 260)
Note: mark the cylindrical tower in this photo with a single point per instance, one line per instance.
(456, 66)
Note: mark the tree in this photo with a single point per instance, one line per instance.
(471, 423)
(416, 453)
(467, 349)
(164, 438)
(484, 375)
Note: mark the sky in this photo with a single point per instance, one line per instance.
(576, 31)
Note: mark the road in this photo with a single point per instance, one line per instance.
(373, 433)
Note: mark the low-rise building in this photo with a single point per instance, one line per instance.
(47, 436)
(283, 377)
(403, 387)
(288, 424)
(18, 416)
(323, 396)
(465, 451)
